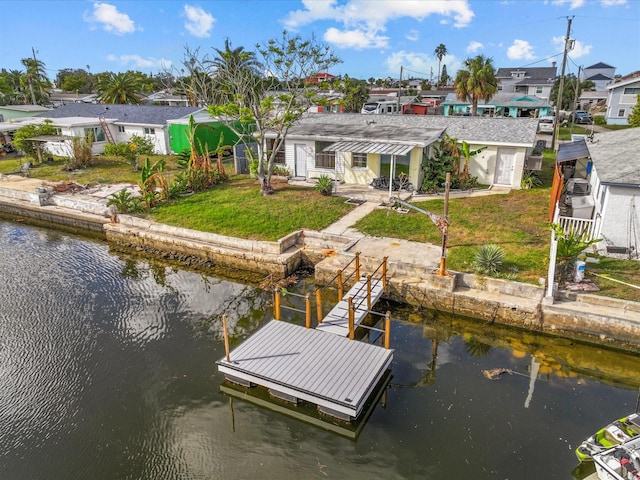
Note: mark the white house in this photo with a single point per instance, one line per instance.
(534, 81)
(115, 123)
(603, 179)
(355, 148)
(622, 97)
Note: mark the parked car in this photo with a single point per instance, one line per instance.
(546, 124)
(582, 117)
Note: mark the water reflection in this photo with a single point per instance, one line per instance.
(107, 365)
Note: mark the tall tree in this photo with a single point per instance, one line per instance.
(120, 88)
(569, 91)
(36, 75)
(440, 52)
(476, 81)
(288, 60)
(237, 60)
(74, 80)
(444, 77)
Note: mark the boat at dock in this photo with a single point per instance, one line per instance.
(616, 433)
(621, 462)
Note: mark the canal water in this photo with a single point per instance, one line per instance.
(107, 371)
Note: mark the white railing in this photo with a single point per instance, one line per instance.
(578, 225)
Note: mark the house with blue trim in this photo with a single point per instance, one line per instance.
(513, 105)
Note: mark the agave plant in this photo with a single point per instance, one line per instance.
(489, 259)
(324, 185)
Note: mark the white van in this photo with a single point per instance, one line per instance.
(546, 124)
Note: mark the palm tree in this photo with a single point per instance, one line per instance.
(232, 64)
(440, 52)
(477, 81)
(118, 88)
(36, 75)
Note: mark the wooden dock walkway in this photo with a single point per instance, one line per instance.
(337, 374)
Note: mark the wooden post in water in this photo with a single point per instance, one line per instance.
(276, 303)
(357, 266)
(352, 320)
(307, 310)
(368, 292)
(319, 305)
(340, 285)
(225, 334)
(387, 330)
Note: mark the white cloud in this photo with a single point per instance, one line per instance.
(364, 19)
(573, 4)
(412, 35)
(474, 47)
(579, 49)
(139, 62)
(521, 49)
(110, 18)
(199, 22)
(357, 39)
(611, 3)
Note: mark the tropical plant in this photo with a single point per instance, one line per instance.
(289, 60)
(82, 153)
(571, 244)
(467, 153)
(125, 202)
(530, 179)
(440, 52)
(129, 151)
(118, 88)
(324, 185)
(153, 185)
(36, 77)
(634, 118)
(477, 81)
(489, 259)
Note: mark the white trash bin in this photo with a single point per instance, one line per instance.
(579, 271)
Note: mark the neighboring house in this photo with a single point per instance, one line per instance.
(602, 178)
(531, 81)
(167, 98)
(12, 112)
(622, 97)
(356, 149)
(118, 123)
(319, 78)
(59, 98)
(589, 100)
(600, 74)
(501, 105)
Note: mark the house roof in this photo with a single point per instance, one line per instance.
(25, 108)
(533, 75)
(372, 147)
(416, 129)
(572, 151)
(598, 65)
(599, 76)
(123, 114)
(626, 80)
(616, 156)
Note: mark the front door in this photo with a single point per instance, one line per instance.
(505, 165)
(301, 160)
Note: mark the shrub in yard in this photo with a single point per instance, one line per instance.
(125, 202)
(489, 259)
(324, 185)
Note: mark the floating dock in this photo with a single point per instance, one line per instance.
(296, 363)
(324, 366)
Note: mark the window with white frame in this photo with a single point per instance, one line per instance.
(622, 112)
(96, 134)
(631, 90)
(120, 128)
(325, 159)
(359, 160)
(539, 89)
(149, 131)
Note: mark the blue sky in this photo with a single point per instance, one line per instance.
(374, 38)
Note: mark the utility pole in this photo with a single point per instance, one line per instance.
(575, 97)
(567, 42)
(30, 76)
(400, 90)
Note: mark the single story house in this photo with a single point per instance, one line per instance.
(356, 149)
(501, 105)
(602, 178)
(13, 112)
(621, 98)
(117, 123)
